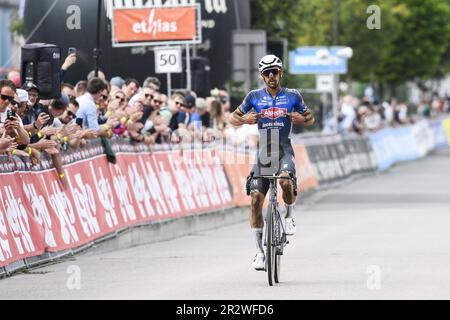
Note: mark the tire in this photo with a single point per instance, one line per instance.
(277, 256)
(271, 250)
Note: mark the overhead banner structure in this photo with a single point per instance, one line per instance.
(156, 26)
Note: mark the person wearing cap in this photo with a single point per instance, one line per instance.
(23, 102)
(36, 107)
(116, 83)
(34, 118)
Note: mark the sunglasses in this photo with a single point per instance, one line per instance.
(266, 73)
(104, 97)
(180, 104)
(71, 114)
(121, 99)
(10, 99)
(147, 95)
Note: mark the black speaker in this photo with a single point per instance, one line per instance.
(40, 64)
(201, 76)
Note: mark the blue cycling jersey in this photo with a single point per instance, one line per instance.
(274, 112)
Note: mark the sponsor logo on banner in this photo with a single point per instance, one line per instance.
(86, 206)
(5, 247)
(105, 195)
(65, 214)
(155, 24)
(38, 214)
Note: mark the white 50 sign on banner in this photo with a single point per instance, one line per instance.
(168, 60)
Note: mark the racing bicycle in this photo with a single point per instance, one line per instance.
(275, 237)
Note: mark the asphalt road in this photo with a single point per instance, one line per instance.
(380, 237)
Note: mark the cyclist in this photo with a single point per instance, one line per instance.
(275, 109)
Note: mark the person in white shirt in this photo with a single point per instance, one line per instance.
(88, 103)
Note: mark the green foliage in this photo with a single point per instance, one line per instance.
(420, 44)
(279, 18)
(18, 27)
(413, 42)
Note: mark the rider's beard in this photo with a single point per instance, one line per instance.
(273, 85)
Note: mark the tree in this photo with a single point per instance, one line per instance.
(413, 42)
(419, 48)
(280, 19)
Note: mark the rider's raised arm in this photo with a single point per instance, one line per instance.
(307, 117)
(237, 117)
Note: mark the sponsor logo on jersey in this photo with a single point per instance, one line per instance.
(272, 125)
(273, 113)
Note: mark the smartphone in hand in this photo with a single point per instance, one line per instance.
(72, 50)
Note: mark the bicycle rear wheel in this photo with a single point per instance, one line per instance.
(271, 249)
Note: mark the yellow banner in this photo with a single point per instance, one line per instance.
(446, 124)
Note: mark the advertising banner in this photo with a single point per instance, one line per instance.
(446, 125)
(39, 213)
(439, 134)
(156, 25)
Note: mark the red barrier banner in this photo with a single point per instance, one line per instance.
(238, 166)
(21, 235)
(306, 176)
(38, 214)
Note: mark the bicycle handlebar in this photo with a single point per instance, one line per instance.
(272, 177)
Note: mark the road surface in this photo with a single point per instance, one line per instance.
(381, 237)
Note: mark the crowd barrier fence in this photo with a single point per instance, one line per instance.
(40, 219)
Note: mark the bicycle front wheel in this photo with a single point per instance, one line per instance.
(277, 232)
(270, 242)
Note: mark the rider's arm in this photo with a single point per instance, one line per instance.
(301, 113)
(240, 115)
(237, 118)
(306, 119)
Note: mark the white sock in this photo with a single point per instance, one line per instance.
(289, 210)
(258, 232)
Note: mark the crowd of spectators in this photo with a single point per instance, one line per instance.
(96, 107)
(368, 115)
